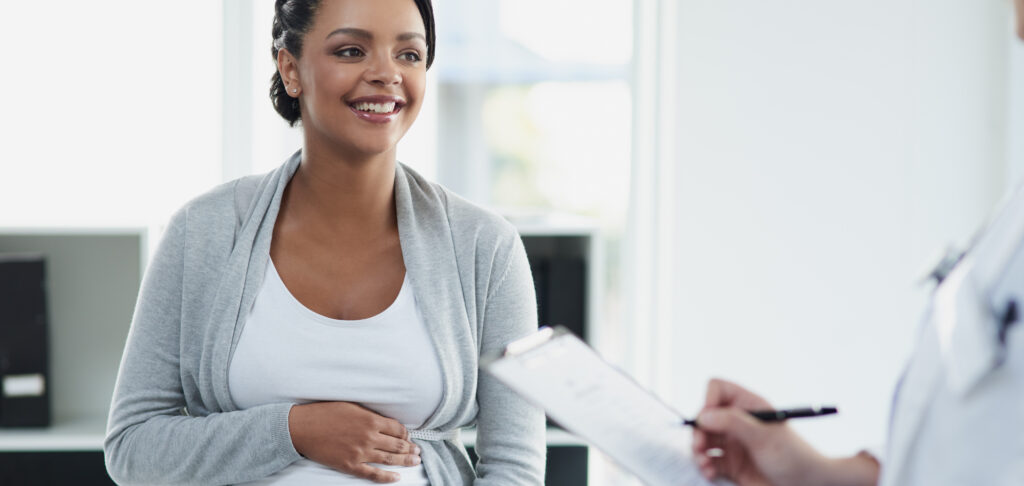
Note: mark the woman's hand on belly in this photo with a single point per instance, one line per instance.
(346, 437)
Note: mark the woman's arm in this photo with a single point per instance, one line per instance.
(510, 431)
(149, 440)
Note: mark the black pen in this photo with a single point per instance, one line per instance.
(781, 415)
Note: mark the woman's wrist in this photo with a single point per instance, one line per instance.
(295, 428)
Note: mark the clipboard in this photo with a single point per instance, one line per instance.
(601, 404)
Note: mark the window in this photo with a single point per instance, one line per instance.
(534, 103)
(112, 116)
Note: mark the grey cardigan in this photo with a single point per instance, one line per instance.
(172, 419)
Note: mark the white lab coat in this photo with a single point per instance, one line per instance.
(958, 415)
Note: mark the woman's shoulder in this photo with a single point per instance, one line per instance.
(220, 207)
(468, 221)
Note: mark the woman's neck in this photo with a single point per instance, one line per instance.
(346, 193)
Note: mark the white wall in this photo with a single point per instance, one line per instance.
(1016, 114)
(111, 111)
(825, 149)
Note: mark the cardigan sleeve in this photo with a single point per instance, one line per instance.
(150, 440)
(510, 432)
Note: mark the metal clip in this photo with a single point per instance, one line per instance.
(950, 258)
(1010, 316)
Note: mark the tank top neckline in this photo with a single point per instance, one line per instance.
(278, 285)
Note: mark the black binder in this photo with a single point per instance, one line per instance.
(24, 343)
(561, 285)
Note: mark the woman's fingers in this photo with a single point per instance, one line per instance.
(393, 428)
(396, 452)
(375, 474)
(398, 446)
(354, 438)
(392, 459)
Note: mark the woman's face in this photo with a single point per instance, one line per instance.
(362, 74)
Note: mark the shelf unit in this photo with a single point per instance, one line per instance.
(92, 279)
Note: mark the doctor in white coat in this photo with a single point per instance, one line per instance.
(958, 412)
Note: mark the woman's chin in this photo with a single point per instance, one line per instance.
(363, 149)
(370, 150)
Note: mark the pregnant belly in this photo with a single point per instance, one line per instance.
(308, 473)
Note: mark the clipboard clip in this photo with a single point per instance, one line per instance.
(522, 345)
(1008, 318)
(944, 266)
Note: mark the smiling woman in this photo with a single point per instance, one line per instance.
(323, 323)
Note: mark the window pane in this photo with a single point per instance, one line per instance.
(560, 145)
(113, 113)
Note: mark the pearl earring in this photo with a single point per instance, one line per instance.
(295, 90)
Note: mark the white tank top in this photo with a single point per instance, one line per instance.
(289, 353)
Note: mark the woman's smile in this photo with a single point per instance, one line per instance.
(377, 109)
(361, 77)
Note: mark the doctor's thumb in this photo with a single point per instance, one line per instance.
(733, 423)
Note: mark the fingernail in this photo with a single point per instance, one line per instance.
(416, 459)
(709, 418)
(416, 450)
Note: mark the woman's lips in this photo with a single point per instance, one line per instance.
(374, 117)
(377, 109)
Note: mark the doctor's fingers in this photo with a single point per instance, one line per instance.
(703, 441)
(724, 393)
(726, 458)
(702, 444)
(734, 423)
(699, 443)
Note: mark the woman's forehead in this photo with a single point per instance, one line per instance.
(377, 17)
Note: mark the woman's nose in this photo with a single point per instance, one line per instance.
(383, 72)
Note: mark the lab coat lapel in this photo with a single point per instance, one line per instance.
(967, 337)
(917, 387)
(993, 275)
(958, 345)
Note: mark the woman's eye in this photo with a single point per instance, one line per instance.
(410, 56)
(349, 52)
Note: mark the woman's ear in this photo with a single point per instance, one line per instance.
(288, 66)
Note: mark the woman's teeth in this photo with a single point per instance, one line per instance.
(376, 107)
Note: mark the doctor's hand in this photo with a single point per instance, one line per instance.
(753, 453)
(347, 437)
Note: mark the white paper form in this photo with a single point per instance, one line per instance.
(602, 405)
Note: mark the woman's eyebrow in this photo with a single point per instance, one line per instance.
(411, 35)
(367, 35)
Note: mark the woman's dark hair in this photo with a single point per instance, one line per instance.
(292, 20)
